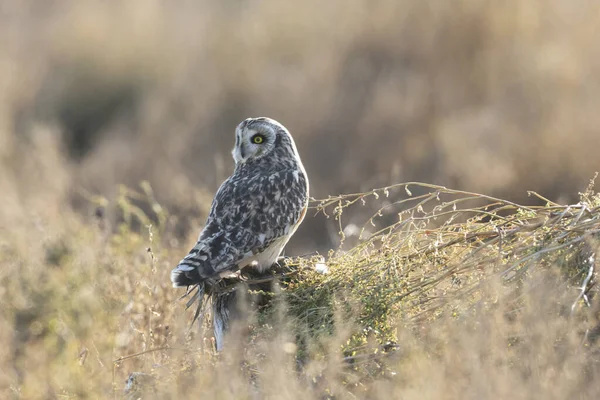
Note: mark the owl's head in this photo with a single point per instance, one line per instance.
(257, 137)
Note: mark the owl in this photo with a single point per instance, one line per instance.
(255, 211)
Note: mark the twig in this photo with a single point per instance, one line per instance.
(583, 287)
(122, 358)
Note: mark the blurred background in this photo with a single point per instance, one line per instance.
(498, 97)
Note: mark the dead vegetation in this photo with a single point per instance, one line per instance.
(492, 97)
(429, 292)
(481, 295)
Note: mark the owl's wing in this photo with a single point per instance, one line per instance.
(261, 209)
(245, 218)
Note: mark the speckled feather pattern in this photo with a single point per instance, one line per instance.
(254, 212)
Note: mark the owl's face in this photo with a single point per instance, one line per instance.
(255, 138)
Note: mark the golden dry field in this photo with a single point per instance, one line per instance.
(116, 125)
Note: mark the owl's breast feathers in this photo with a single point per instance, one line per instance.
(249, 213)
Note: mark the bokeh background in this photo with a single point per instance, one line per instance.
(499, 97)
(110, 104)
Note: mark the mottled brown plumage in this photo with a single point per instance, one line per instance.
(255, 211)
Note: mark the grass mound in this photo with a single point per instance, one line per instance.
(435, 257)
(433, 261)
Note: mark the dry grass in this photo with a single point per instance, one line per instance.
(484, 300)
(498, 98)
(464, 295)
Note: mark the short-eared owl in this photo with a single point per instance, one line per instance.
(255, 211)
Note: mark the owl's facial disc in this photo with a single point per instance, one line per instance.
(252, 142)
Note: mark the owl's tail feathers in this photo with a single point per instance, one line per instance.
(185, 275)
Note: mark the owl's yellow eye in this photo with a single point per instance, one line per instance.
(258, 139)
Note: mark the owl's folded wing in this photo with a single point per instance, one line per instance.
(246, 217)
